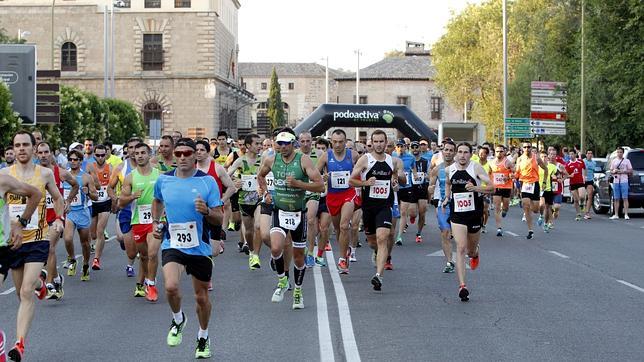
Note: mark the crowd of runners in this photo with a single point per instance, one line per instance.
(288, 192)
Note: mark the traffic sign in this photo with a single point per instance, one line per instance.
(548, 131)
(517, 120)
(520, 135)
(548, 100)
(516, 127)
(548, 115)
(551, 124)
(548, 93)
(547, 85)
(547, 108)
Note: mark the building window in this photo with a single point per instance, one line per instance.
(264, 86)
(262, 105)
(436, 107)
(181, 3)
(68, 57)
(402, 100)
(363, 100)
(291, 86)
(244, 85)
(122, 3)
(152, 3)
(152, 58)
(151, 110)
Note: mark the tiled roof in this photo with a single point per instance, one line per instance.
(286, 70)
(407, 67)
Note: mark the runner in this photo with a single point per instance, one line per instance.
(28, 249)
(137, 190)
(312, 200)
(438, 177)
(528, 174)
(164, 160)
(590, 165)
(501, 169)
(111, 158)
(9, 157)
(55, 280)
(420, 182)
(408, 205)
(356, 220)
(395, 211)
(324, 218)
(266, 206)
(88, 156)
(620, 169)
(220, 154)
(292, 171)
(577, 170)
(341, 198)
(463, 188)
(78, 217)
(483, 153)
(557, 184)
(425, 151)
(101, 172)
(235, 223)
(189, 197)
(376, 172)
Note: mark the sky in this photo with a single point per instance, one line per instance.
(310, 30)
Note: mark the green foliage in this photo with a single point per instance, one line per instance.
(9, 121)
(124, 121)
(275, 106)
(6, 39)
(394, 54)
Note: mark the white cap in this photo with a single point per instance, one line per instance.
(74, 145)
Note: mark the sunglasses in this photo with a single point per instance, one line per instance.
(527, 147)
(283, 143)
(73, 159)
(186, 153)
(414, 146)
(360, 152)
(99, 155)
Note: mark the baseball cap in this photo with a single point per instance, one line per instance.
(285, 137)
(400, 142)
(414, 143)
(74, 145)
(423, 142)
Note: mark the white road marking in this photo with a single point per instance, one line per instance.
(631, 285)
(511, 233)
(346, 326)
(440, 253)
(324, 330)
(559, 254)
(8, 291)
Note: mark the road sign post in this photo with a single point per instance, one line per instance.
(548, 108)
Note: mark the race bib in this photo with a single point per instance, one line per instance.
(76, 201)
(407, 178)
(49, 201)
(340, 179)
(380, 190)
(102, 194)
(270, 181)
(289, 220)
(145, 214)
(527, 188)
(420, 178)
(249, 182)
(183, 235)
(555, 186)
(499, 178)
(18, 210)
(463, 201)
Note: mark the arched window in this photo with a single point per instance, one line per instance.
(68, 60)
(152, 110)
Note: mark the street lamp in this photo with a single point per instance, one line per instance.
(22, 34)
(358, 53)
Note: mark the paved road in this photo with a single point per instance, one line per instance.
(574, 294)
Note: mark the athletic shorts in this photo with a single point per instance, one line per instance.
(312, 196)
(140, 232)
(473, 223)
(101, 207)
(335, 200)
(298, 235)
(248, 210)
(125, 220)
(548, 197)
(81, 218)
(442, 216)
(234, 202)
(216, 232)
(266, 209)
(590, 183)
(322, 208)
(372, 219)
(620, 191)
(577, 186)
(534, 196)
(420, 192)
(557, 199)
(5, 254)
(406, 195)
(199, 266)
(31, 252)
(505, 193)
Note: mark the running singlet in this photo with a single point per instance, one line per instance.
(590, 169)
(163, 166)
(103, 174)
(313, 155)
(439, 192)
(5, 223)
(37, 228)
(408, 160)
(221, 158)
(49, 201)
(422, 172)
(381, 194)
(79, 201)
(285, 198)
(575, 168)
(339, 171)
(527, 169)
(212, 171)
(546, 180)
(125, 170)
(248, 173)
(185, 229)
(500, 174)
(464, 203)
(142, 207)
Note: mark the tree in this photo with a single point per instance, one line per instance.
(275, 106)
(6, 39)
(9, 121)
(124, 121)
(394, 54)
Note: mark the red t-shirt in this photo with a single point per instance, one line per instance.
(575, 168)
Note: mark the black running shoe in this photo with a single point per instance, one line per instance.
(376, 281)
(464, 294)
(530, 235)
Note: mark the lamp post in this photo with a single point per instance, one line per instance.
(357, 52)
(53, 3)
(505, 70)
(582, 120)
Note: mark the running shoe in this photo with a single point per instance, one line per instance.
(71, 267)
(96, 264)
(463, 293)
(253, 262)
(412, 219)
(626, 217)
(240, 244)
(376, 281)
(614, 217)
(540, 220)
(405, 229)
(419, 238)
(106, 234)
(587, 217)
(499, 232)
(3, 342)
(449, 267)
(551, 226)
(92, 248)
(129, 270)
(523, 217)
(203, 348)
(546, 228)
(245, 249)
(578, 217)
(474, 262)
(15, 354)
(175, 334)
(483, 230)
(139, 291)
(343, 266)
(399, 241)
(530, 234)
(85, 274)
(298, 299)
(359, 244)
(282, 287)
(41, 291)
(504, 213)
(151, 293)
(328, 246)
(320, 261)
(59, 287)
(352, 256)
(309, 261)
(388, 264)
(210, 286)
(51, 293)
(231, 226)
(360, 228)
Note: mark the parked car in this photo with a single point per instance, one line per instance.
(603, 197)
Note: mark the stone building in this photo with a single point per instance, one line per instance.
(176, 60)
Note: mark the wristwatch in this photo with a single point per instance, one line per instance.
(24, 222)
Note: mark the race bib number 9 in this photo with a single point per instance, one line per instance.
(249, 182)
(102, 194)
(145, 214)
(183, 235)
(270, 181)
(527, 188)
(49, 201)
(289, 220)
(463, 201)
(18, 210)
(76, 201)
(340, 179)
(380, 190)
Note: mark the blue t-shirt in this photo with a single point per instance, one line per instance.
(87, 161)
(408, 161)
(590, 169)
(178, 196)
(427, 155)
(80, 201)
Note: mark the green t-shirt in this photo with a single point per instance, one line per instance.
(285, 198)
(142, 207)
(248, 173)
